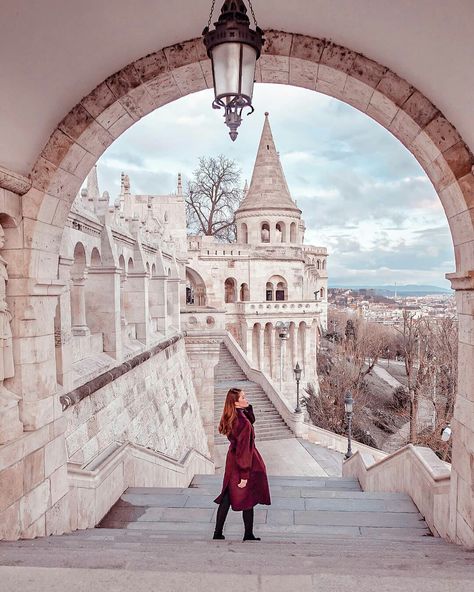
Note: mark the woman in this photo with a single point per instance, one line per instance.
(245, 479)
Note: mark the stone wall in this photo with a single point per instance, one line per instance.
(153, 405)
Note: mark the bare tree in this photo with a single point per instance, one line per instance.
(212, 197)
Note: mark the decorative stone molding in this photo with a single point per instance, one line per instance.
(461, 281)
(14, 181)
(89, 388)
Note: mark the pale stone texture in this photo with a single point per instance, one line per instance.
(34, 253)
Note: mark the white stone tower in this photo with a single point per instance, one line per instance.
(268, 214)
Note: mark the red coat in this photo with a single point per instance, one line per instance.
(244, 462)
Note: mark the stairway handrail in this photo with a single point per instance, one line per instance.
(295, 421)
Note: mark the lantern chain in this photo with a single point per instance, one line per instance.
(253, 13)
(212, 12)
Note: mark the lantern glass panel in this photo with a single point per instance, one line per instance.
(226, 61)
(249, 60)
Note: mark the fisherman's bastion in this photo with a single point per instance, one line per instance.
(122, 332)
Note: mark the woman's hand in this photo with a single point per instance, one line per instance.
(242, 484)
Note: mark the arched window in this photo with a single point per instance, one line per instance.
(244, 233)
(95, 258)
(279, 288)
(265, 232)
(195, 288)
(230, 290)
(321, 292)
(269, 292)
(293, 232)
(244, 293)
(281, 292)
(324, 263)
(280, 232)
(318, 264)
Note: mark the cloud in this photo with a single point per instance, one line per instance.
(363, 195)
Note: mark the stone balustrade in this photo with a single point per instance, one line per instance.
(414, 470)
(279, 307)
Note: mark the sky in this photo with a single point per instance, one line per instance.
(363, 194)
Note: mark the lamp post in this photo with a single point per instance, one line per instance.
(348, 404)
(234, 49)
(283, 329)
(297, 370)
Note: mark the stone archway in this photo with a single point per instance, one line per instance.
(166, 75)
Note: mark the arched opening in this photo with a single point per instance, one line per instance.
(195, 288)
(244, 233)
(96, 260)
(281, 291)
(281, 287)
(318, 264)
(230, 291)
(369, 86)
(265, 232)
(293, 232)
(324, 264)
(244, 293)
(280, 232)
(269, 291)
(322, 293)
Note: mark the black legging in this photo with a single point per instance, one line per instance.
(223, 510)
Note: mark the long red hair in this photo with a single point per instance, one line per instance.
(230, 413)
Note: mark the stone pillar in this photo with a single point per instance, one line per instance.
(247, 336)
(78, 305)
(62, 329)
(157, 302)
(173, 309)
(34, 336)
(273, 356)
(137, 305)
(461, 506)
(203, 354)
(103, 290)
(261, 347)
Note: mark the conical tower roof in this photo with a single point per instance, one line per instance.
(268, 189)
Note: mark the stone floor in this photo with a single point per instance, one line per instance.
(320, 533)
(291, 457)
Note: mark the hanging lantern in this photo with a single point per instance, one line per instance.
(234, 49)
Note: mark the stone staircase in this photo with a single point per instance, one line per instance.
(319, 533)
(269, 424)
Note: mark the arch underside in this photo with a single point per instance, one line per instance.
(316, 64)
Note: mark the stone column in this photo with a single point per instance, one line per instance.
(273, 354)
(261, 348)
(157, 299)
(461, 506)
(103, 290)
(137, 304)
(203, 353)
(173, 310)
(63, 331)
(78, 305)
(33, 308)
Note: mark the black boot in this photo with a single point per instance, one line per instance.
(222, 512)
(248, 522)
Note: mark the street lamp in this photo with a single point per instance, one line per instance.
(297, 370)
(348, 404)
(283, 333)
(234, 49)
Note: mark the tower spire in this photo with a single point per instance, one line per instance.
(268, 188)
